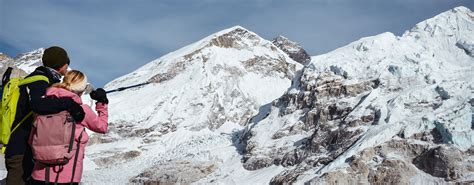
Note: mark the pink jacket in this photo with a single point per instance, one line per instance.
(91, 121)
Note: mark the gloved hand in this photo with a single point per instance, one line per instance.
(76, 112)
(99, 95)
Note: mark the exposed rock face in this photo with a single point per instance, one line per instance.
(390, 163)
(293, 49)
(5, 62)
(326, 105)
(115, 158)
(237, 38)
(445, 162)
(180, 172)
(467, 46)
(389, 171)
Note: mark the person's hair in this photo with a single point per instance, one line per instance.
(72, 79)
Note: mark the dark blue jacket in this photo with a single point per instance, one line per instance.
(32, 99)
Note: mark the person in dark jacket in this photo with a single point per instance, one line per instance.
(18, 155)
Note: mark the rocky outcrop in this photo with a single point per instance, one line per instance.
(325, 116)
(467, 46)
(443, 161)
(5, 62)
(174, 172)
(390, 164)
(237, 38)
(114, 158)
(293, 49)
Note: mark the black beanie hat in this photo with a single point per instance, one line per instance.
(55, 57)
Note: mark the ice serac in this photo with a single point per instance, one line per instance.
(197, 99)
(293, 49)
(378, 110)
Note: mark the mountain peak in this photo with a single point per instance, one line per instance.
(231, 29)
(447, 23)
(293, 49)
(281, 38)
(234, 37)
(35, 53)
(462, 9)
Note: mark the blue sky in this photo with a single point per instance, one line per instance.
(107, 39)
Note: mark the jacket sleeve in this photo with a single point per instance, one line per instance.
(97, 123)
(41, 105)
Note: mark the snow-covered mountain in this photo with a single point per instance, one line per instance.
(29, 61)
(234, 108)
(181, 126)
(383, 109)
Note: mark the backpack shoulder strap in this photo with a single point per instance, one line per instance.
(6, 76)
(78, 147)
(33, 78)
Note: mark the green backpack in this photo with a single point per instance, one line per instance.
(10, 96)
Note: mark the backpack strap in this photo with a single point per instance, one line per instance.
(32, 79)
(61, 167)
(46, 174)
(23, 120)
(71, 141)
(78, 147)
(18, 125)
(6, 76)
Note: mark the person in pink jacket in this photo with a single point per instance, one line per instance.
(73, 86)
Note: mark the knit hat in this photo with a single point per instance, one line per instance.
(55, 57)
(79, 86)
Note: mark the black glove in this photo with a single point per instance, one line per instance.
(99, 95)
(76, 111)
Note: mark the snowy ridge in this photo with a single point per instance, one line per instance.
(29, 61)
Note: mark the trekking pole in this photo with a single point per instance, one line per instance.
(128, 87)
